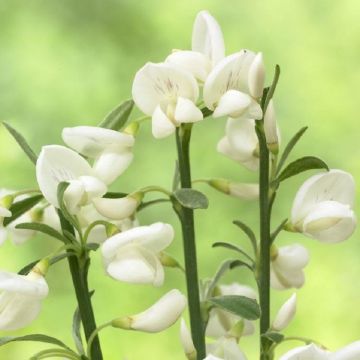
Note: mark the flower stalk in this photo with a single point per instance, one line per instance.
(186, 216)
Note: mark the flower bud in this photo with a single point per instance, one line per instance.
(285, 314)
(270, 128)
(239, 190)
(163, 314)
(257, 76)
(237, 330)
(187, 342)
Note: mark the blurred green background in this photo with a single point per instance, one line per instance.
(66, 63)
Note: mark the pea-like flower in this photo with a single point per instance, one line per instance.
(133, 256)
(160, 316)
(240, 143)
(21, 296)
(287, 264)
(58, 164)
(323, 207)
(187, 342)
(111, 150)
(168, 94)
(207, 48)
(221, 322)
(227, 349)
(234, 86)
(285, 314)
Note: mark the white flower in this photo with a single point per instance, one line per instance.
(133, 255)
(272, 132)
(111, 150)
(212, 357)
(186, 341)
(20, 299)
(240, 190)
(307, 352)
(168, 94)
(349, 352)
(220, 321)
(207, 48)
(285, 314)
(160, 316)
(229, 89)
(240, 143)
(322, 208)
(226, 349)
(287, 267)
(59, 164)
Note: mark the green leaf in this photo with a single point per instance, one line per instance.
(176, 177)
(22, 142)
(19, 208)
(191, 199)
(250, 234)
(239, 305)
(34, 337)
(270, 93)
(117, 118)
(43, 228)
(115, 195)
(289, 148)
(277, 231)
(233, 247)
(273, 336)
(300, 165)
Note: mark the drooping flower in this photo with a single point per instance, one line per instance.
(58, 164)
(111, 150)
(285, 314)
(21, 296)
(133, 256)
(227, 349)
(233, 86)
(287, 264)
(240, 143)
(307, 352)
(207, 48)
(160, 316)
(242, 191)
(168, 94)
(221, 322)
(323, 207)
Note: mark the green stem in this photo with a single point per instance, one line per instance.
(93, 337)
(186, 216)
(79, 271)
(265, 241)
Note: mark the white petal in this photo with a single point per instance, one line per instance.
(155, 237)
(110, 165)
(292, 257)
(238, 289)
(74, 195)
(136, 265)
(3, 235)
(349, 352)
(158, 84)
(229, 74)
(56, 164)
(192, 61)
(257, 76)
(307, 352)
(212, 357)
(233, 103)
(4, 212)
(207, 37)
(162, 126)
(91, 141)
(270, 125)
(286, 280)
(330, 221)
(94, 187)
(186, 339)
(17, 311)
(227, 348)
(334, 185)
(116, 209)
(244, 191)
(19, 236)
(285, 314)
(187, 112)
(162, 314)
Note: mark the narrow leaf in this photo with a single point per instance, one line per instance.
(76, 332)
(115, 195)
(34, 337)
(277, 231)
(191, 199)
(291, 144)
(43, 228)
(275, 337)
(250, 234)
(117, 118)
(22, 142)
(19, 208)
(233, 247)
(239, 305)
(300, 165)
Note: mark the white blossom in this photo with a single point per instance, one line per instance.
(186, 341)
(226, 348)
(285, 314)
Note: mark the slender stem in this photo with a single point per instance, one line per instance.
(186, 216)
(94, 335)
(265, 241)
(79, 271)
